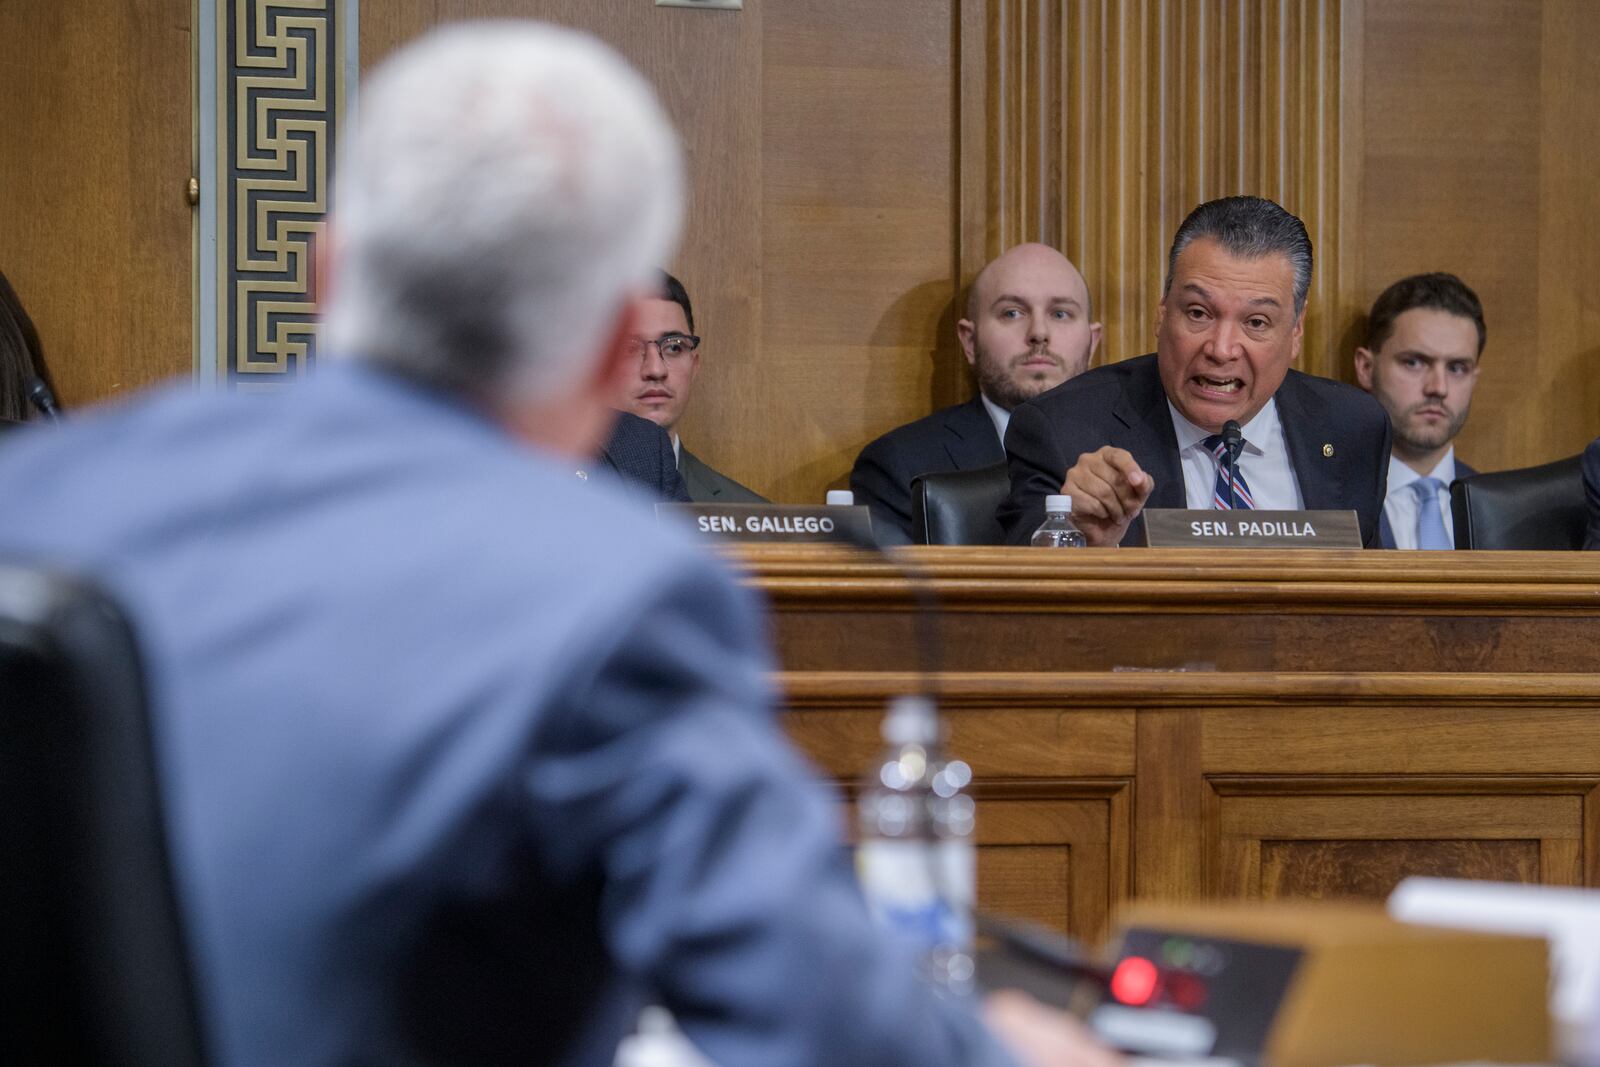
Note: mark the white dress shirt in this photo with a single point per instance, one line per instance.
(1400, 506)
(997, 415)
(1264, 463)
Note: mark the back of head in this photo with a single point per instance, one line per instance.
(511, 186)
(1248, 227)
(1437, 291)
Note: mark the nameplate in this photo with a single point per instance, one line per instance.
(1182, 528)
(775, 522)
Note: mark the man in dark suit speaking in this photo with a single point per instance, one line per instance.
(1028, 328)
(1147, 431)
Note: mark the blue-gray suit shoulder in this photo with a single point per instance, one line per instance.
(1337, 437)
(956, 438)
(461, 755)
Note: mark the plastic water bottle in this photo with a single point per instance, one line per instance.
(915, 858)
(840, 498)
(1058, 530)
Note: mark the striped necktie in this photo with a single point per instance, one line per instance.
(1219, 492)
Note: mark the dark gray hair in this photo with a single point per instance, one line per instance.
(1248, 227)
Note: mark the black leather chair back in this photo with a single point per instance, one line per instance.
(93, 964)
(1530, 508)
(957, 507)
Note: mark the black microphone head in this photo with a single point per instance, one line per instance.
(1232, 438)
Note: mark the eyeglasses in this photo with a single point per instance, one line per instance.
(674, 347)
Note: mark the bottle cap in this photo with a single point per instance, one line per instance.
(840, 498)
(912, 720)
(1058, 502)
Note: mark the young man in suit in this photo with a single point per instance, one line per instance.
(669, 360)
(1425, 339)
(1147, 431)
(1028, 328)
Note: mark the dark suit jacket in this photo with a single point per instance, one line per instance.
(641, 452)
(1124, 405)
(1591, 492)
(1386, 534)
(959, 438)
(707, 485)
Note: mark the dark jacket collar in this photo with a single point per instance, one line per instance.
(970, 439)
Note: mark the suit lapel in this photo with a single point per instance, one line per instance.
(1142, 410)
(1385, 531)
(690, 467)
(1318, 471)
(970, 440)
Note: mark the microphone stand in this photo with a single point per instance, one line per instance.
(1232, 445)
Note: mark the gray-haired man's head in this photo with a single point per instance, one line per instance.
(510, 188)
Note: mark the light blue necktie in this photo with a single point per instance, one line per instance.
(1430, 520)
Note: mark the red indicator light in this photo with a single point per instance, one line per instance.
(1134, 981)
(1186, 991)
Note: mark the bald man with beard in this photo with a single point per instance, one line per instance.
(1028, 328)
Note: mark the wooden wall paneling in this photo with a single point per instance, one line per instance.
(858, 233)
(1053, 788)
(1566, 376)
(1462, 99)
(1174, 817)
(1267, 785)
(95, 224)
(1318, 838)
(1107, 123)
(1054, 852)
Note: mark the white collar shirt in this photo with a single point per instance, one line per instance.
(1264, 463)
(1400, 506)
(997, 415)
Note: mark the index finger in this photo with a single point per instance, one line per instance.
(1122, 461)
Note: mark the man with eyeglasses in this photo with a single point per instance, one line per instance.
(669, 359)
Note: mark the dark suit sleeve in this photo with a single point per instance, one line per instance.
(1591, 493)
(1374, 511)
(878, 481)
(1037, 468)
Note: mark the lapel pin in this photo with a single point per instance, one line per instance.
(583, 476)
(1327, 450)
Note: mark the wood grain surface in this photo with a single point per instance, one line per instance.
(1338, 754)
(95, 226)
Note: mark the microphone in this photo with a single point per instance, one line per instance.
(1232, 444)
(42, 398)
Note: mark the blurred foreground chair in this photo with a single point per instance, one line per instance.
(94, 968)
(957, 507)
(1530, 508)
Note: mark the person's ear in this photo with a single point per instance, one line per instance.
(967, 334)
(1364, 368)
